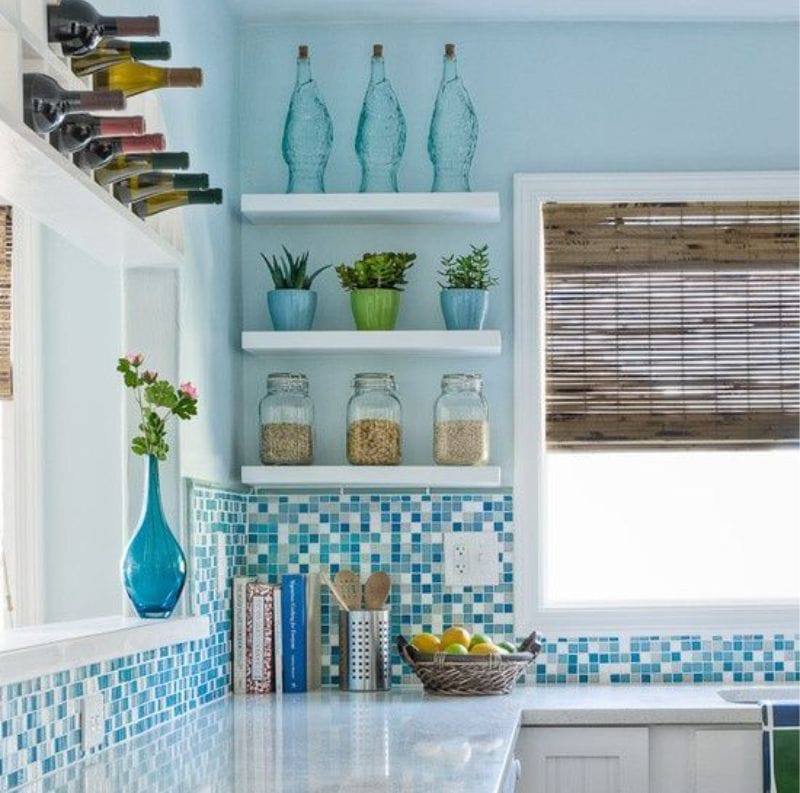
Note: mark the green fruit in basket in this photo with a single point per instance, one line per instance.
(478, 638)
(456, 649)
(507, 646)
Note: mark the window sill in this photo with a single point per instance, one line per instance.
(26, 653)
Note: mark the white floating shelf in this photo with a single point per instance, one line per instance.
(419, 342)
(371, 475)
(371, 207)
(41, 181)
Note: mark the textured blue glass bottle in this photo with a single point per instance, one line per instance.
(153, 566)
(454, 131)
(381, 135)
(307, 133)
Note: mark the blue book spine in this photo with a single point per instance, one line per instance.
(293, 626)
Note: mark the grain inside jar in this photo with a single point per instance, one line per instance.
(458, 442)
(374, 442)
(286, 443)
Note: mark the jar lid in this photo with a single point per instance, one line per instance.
(462, 380)
(286, 380)
(374, 380)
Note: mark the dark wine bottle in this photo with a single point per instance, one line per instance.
(79, 28)
(174, 199)
(103, 150)
(135, 78)
(112, 51)
(78, 129)
(126, 165)
(149, 184)
(45, 104)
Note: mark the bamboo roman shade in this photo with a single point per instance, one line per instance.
(672, 324)
(6, 385)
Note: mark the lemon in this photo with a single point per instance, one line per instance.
(485, 648)
(456, 649)
(456, 635)
(427, 643)
(477, 638)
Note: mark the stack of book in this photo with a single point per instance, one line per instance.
(277, 638)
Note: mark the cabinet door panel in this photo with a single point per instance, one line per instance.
(727, 761)
(584, 760)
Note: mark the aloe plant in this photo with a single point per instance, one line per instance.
(290, 272)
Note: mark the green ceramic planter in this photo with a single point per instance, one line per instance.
(375, 309)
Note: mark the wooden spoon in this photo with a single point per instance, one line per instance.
(377, 590)
(349, 586)
(326, 580)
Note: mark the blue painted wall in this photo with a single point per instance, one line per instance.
(550, 97)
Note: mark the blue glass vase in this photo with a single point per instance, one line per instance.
(307, 133)
(454, 131)
(381, 135)
(153, 566)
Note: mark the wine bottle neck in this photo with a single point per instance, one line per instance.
(303, 71)
(130, 26)
(141, 143)
(213, 196)
(450, 71)
(126, 125)
(378, 73)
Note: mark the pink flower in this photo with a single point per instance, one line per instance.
(189, 390)
(135, 358)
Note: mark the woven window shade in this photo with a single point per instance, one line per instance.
(672, 324)
(6, 382)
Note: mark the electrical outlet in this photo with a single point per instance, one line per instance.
(93, 722)
(471, 559)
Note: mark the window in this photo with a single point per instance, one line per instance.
(664, 332)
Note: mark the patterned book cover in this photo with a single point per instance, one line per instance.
(259, 638)
(240, 633)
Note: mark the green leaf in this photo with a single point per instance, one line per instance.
(131, 379)
(161, 394)
(139, 445)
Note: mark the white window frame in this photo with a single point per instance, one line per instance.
(530, 192)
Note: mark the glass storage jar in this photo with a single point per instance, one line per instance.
(461, 422)
(287, 421)
(374, 421)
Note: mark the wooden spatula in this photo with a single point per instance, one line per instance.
(348, 584)
(376, 590)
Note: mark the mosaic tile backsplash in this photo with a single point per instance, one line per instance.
(39, 719)
(403, 534)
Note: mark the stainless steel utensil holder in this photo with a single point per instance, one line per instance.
(364, 661)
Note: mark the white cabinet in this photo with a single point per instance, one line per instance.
(705, 759)
(584, 760)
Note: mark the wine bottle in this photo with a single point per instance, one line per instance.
(149, 184)
(113, 51)
(78, 27)
(45, 104)
(78, 129)
(453, 132)
(135, 78)
(381, 134)
(102, 150)
(126, 165)
(173, 199)
(307, 132)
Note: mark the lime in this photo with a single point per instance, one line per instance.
(456, 649)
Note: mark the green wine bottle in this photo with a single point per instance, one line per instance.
(112, 51)
(148, 207)
(132, 164)
(149, 184)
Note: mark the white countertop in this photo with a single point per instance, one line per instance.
(401, 741)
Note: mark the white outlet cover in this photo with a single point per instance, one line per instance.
(471, 558)
(93, 722)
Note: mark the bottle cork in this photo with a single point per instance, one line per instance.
(377, 50)
(449, 50)
(302, 52)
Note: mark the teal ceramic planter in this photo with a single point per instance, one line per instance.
(375, 309)
(292, 309)
(464, 309)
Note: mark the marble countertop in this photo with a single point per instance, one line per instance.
(330, 741)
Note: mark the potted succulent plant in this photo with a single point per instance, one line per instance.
(291, 303)
(465, 293)
(375, 282)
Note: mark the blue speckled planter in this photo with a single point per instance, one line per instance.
(464, 309)
(292, 309)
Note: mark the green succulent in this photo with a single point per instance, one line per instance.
(289, 272)
(386, 270)
(470, 271)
